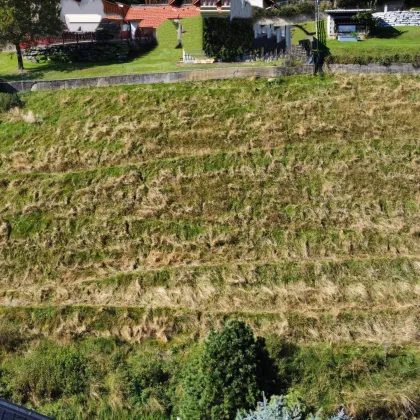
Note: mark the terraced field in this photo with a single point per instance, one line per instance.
(158, 211)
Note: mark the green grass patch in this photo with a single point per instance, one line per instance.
(402, 48)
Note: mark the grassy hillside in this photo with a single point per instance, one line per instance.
(137, 216)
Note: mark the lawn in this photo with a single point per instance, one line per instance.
(165, 57)
(298, 34)
(406, 43)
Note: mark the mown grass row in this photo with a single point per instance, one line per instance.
(133, 324)
(217, 117)
(266, 288)
(32, 261)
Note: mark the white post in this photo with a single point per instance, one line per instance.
(134, 25)
(330, 32)
(288, 37)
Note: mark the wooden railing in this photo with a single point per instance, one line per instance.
(73, 38)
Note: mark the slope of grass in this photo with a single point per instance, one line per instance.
(136, 216)
(192, 37)
(298, 34)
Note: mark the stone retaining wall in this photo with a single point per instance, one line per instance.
(150, 78)
(398, 18)
(91, 52)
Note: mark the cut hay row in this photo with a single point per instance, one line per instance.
(396, 326)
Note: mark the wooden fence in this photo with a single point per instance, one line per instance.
(73, 37)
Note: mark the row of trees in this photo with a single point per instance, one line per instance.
(24, 20)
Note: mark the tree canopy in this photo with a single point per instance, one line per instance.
(230, 373)
(23, 20)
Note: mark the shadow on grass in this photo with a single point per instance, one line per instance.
(387, 32)
(43, 68)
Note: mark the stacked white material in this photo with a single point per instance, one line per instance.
(398, 18)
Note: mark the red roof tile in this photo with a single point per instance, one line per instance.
(153, 16)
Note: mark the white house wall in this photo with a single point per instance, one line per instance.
(330, 26)
(240, 9)
(90, 9)
(134, 24)
(256, 3)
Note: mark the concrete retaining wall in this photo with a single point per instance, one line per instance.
(398, 18)
(200, 75)
(150, 78)
(397, 68)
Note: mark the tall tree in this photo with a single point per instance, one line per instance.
(26, 20)
(230, 373)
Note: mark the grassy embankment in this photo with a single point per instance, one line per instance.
(147, 214)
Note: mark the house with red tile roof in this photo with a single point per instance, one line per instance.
(140, 21)
(87, 15)
(144, 19)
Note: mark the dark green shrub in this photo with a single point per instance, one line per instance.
(49, 372)
(366, 19)
(148, 379)
(231, 372)
(8, 101)
(10, 338)
(225, 40)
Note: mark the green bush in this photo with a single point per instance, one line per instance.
(49, 372)
(148, 379)
(10, 338)
(225, 40)
(8, 101)
(231, 372)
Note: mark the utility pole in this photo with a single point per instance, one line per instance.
(316, 53)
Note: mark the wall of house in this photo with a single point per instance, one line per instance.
(271, 30)
(94, 8)
(330, 26)
(134, 24)
(240, 9)
(256, 3)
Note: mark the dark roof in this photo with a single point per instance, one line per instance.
(10, 411)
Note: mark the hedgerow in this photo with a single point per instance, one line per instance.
(224, 40)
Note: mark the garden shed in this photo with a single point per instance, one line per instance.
(341, 24)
